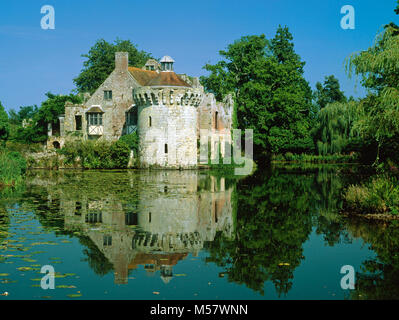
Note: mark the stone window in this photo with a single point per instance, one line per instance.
(149, 217)
(166, 148)
(95, 119)
(131, 117)
(107, 240)
(78, 122)
(107, 95)
(131, 219)
(149, 121)
(216, 120)
(78, 208)
(93, 217)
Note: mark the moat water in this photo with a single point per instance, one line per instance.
(192, 235)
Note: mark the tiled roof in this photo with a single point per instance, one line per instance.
(153, 78)
(142, 76)
(167, 79)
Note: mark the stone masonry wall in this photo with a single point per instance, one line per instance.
(173, 123)
(220, 133)
(121, 83)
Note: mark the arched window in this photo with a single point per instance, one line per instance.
(149, 121)
(216, 120)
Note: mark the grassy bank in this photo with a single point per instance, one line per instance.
(12, 167)
(378, 196)
(311, 158)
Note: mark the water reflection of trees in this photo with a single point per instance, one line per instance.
(273, 222)
(275, 216)
(379, 275)
(254, 228)
(8, 196)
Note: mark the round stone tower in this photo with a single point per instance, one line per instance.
(167, 119)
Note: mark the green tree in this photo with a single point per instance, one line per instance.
(328, 92)
(271, 95)
(25, 112)
(378, 68)
(49, 112)
(101, 62)
(335, 129)
(4, 125)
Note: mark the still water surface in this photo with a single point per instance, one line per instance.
(192, 235)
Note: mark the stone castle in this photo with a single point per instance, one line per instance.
(170, 113)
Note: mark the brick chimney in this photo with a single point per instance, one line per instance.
(121, 61)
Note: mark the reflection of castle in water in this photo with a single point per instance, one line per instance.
(172, 215)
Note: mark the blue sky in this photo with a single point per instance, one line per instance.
(34, 61)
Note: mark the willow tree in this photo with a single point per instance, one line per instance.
(337, 126)
(378, 68)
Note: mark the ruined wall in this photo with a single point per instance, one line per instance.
(215, 118)
(72, 110)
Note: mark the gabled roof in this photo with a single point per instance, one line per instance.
(153, 78)
(95, 109)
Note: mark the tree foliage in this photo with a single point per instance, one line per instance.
(378, 68)
(336, 126)
(25, 112)
(49, 112)
(328, 92)
(4, 126)
(101, 62)
(271, 95)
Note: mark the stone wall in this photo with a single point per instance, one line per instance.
(178, 114)
(121, 83)
(215, 118)
(167, 121)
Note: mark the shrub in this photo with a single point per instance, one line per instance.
(120, 152)
(12, 167)
(97, 154)
(379, 195)
(132, 140)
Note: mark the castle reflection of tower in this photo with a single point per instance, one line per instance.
(174, 213)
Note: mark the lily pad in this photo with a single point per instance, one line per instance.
(25, 268)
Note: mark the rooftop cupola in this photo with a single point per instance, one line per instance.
(167, 63)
